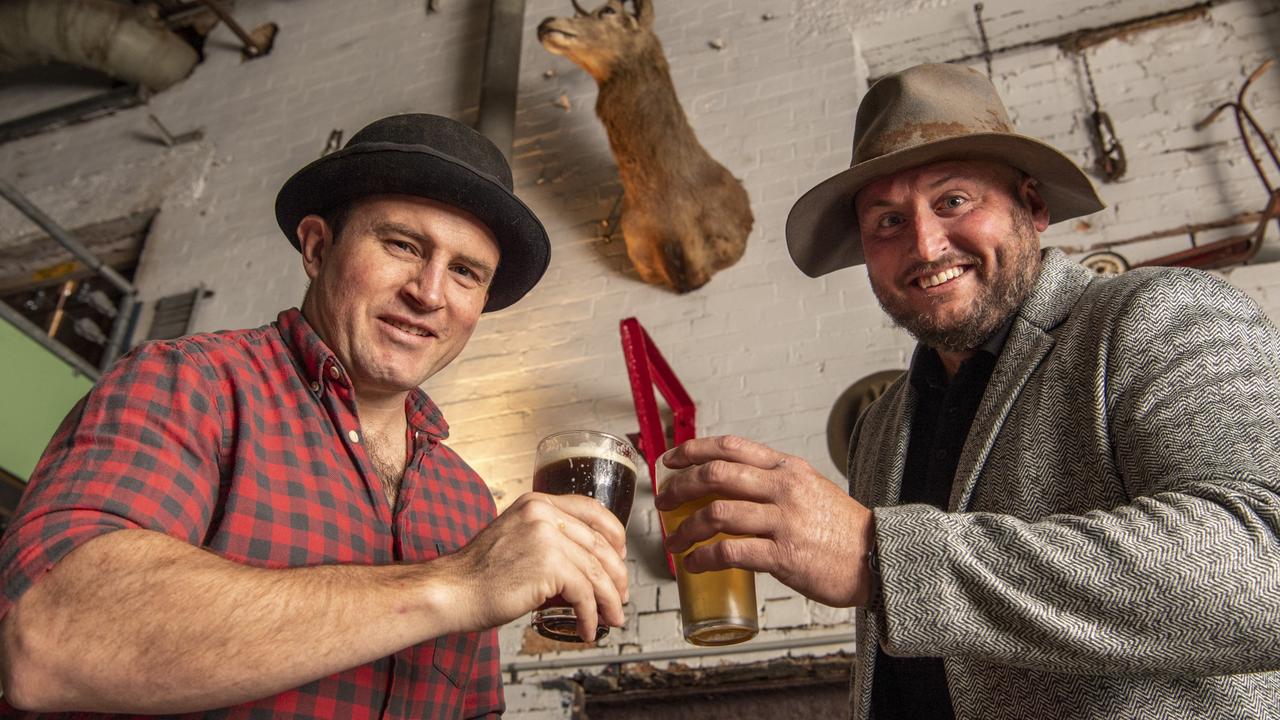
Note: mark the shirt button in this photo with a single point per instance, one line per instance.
(334, 372)
(315, 387)
(355, 436)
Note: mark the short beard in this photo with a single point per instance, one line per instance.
(1019, 262)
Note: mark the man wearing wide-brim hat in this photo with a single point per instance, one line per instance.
(1069, 506)
(295, 540)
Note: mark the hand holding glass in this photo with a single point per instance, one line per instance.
(716, 607)
(582, 462)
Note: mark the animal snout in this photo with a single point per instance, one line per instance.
(547, 26)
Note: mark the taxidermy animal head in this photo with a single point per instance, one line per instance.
(685, 216)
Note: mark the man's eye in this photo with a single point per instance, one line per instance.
(606, 10)
(888, 221)
(403, 246)
(466, 272)
(952, 202)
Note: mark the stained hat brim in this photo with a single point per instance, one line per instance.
(381, 168)
(822, 227)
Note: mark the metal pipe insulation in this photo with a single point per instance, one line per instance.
(117, 39)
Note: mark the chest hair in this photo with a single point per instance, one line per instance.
(388, 457)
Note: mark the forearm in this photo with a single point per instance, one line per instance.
(1173, 584)
(135, 621)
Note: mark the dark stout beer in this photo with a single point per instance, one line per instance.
(587, 471)
(586, 463)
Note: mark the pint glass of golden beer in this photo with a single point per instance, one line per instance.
(582, 462)
(717, 607)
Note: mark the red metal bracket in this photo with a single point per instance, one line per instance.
(646, 367)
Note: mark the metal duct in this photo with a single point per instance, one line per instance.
(109, 37)
(500, 80)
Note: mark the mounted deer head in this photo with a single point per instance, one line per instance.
(685, 216)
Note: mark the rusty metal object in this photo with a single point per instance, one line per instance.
(982, 33)
(1232, 250)
(167, 136)
(1111, 161)
(1106, 262)
(1236, 249)
(256, 43)
(1243, 117)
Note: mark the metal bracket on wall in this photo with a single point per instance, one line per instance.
(982, 33)
(646, 367)
(1079, 39)
(169, 139)
(333, 143)
(256, 43)
(125, 96)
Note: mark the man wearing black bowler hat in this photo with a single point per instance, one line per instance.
(296, 541)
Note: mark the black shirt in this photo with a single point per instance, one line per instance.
(916, 687)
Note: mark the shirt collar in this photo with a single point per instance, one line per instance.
(321, 369)
(927, 371)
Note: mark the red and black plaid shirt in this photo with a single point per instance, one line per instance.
(240, 442)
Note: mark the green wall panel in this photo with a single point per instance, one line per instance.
(36, 391)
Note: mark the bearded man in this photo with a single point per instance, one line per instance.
(1070, 504)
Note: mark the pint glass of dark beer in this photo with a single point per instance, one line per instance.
(582, 462)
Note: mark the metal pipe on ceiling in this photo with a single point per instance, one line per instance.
(66, 239)
(500, 79)
(113, 38)
(129, 294)
(33, 331)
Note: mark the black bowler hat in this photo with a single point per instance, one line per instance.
(436, 158)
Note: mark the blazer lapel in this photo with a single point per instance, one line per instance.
(1058, 287)
(892, 459)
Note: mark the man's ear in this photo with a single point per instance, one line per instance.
(1029, 194)
(314, 238)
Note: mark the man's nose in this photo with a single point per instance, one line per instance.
(930, 236)
(425, 289)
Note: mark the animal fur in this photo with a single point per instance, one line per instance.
(685, 216)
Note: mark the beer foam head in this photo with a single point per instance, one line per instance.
(594, 451)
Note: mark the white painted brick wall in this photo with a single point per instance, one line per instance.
(763, 349)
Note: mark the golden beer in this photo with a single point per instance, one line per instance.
(718, 607)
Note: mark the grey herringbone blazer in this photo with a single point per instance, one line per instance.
(1113, 545)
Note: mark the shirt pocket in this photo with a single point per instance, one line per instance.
(454, 655)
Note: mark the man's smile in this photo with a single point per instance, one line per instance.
(408, 327)
(932, 280)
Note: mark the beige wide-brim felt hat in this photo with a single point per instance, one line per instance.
(923, 115)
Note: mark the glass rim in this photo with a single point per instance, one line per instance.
(609, 435)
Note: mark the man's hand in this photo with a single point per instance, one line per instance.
(540, 547)
(807, 532)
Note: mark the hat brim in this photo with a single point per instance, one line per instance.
(822, 227)
(395, 169)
